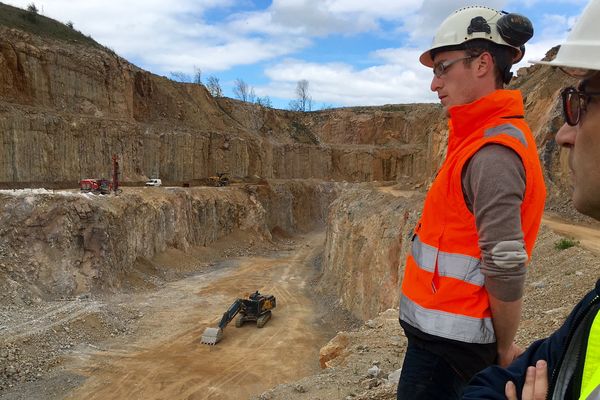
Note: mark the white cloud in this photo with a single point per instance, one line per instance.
(323, 17)
(214, 58)
(168, 36)
(531, 3)
(422, 24)
(179, 35)
(400, 80)
(553, 31)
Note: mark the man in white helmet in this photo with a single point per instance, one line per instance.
(566, 365)
(463, 282)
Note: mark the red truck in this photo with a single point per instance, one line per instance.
(102, 186)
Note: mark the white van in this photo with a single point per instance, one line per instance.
(154, 182)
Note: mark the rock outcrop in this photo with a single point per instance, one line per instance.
(66, 108)
(65, 244)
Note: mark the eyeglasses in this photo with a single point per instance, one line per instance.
(575, 103)
(441, 68)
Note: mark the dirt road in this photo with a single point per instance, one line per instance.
(588, 236)
(168, 361)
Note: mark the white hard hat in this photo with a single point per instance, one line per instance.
(477, 22)
(582, 48)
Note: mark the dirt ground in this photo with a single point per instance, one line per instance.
(169, 362)
(588, 235)
(144, 344)
(157, 354)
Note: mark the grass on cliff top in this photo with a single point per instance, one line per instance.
(37, 24)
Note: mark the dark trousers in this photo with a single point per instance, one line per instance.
(426, 376)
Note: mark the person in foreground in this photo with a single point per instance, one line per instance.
(566, 365)
(463, 282)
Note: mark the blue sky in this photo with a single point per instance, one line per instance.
(352, 52)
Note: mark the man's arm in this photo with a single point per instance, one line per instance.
(494, 187)
(506, 317)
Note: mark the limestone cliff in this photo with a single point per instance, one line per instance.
(66, 107)
(368, 237)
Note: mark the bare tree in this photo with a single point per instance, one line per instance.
(251, 96)
(303, 101)
(241, 90)
(180, 76)
(213, 86)
(197, 75)
(264, 101)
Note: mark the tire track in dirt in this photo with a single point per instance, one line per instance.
(172, 363)
(588, 236)
(59, 315)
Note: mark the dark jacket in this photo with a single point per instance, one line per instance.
(572, 335)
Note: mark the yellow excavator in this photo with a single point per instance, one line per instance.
(256, 307)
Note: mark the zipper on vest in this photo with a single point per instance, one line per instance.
(574, 327)
(514, 117)
(414, 232)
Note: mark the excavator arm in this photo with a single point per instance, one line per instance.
(214, 335)
(230, 314)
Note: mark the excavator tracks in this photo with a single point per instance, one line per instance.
(262, 320)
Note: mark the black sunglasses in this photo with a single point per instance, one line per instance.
(575, 103)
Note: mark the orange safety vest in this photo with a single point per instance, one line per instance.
(443, 292)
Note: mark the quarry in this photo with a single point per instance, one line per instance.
(107, 295)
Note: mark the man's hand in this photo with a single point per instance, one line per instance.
(505, 358)
(536, 384)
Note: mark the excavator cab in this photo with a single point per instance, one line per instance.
(256, 307)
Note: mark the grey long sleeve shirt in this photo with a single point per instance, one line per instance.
(493, 182)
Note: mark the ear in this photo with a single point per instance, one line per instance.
(484, 65)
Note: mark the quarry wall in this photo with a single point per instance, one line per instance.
(61, 244)
(66, 108)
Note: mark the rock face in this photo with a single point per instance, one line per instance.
(368, 236)
(66, 108)
(64, 244)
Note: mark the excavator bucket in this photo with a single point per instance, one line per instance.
(212, 336)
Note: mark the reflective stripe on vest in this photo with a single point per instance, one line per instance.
(452, 265)
(448, 325)
(507, 129)
(590, 381)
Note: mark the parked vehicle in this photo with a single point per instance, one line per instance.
(154, 182)
(101, 186)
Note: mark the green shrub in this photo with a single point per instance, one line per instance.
(32, 12)
(565, 243)
(30, 20)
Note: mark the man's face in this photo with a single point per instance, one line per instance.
(583, 142)
(456, 85)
